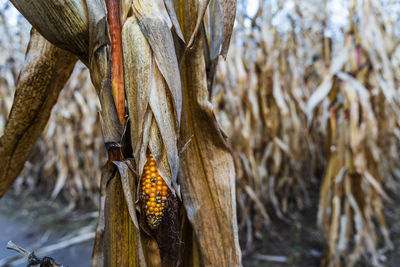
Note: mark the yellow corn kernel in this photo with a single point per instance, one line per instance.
(154, 193)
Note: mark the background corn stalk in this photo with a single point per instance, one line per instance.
(297, 103)
(294, 103)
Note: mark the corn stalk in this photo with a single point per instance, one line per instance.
(352, 192)
(143, 56)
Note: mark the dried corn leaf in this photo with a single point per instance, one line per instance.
(222, 15)
(207, 171)
(49, 18)
(120, 232)
(46, 70)
(107, 174)
(98, 59)
(169, 5)
(112, 129)
(326, 85)
(125, 7)
(201, 10)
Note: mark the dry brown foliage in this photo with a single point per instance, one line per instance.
(294, 104)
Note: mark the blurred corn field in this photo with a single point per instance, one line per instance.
(305, 102)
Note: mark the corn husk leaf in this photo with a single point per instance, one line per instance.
(150, 105)
(125, 7)
(120, 230)
(169, 5)
(157, 33)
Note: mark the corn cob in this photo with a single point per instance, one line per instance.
(154, 192)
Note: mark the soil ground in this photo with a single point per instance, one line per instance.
(302, 244)
(31, 224)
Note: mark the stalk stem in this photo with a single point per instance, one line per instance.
(117, 78)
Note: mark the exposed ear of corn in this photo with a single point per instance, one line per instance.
(154, 193)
